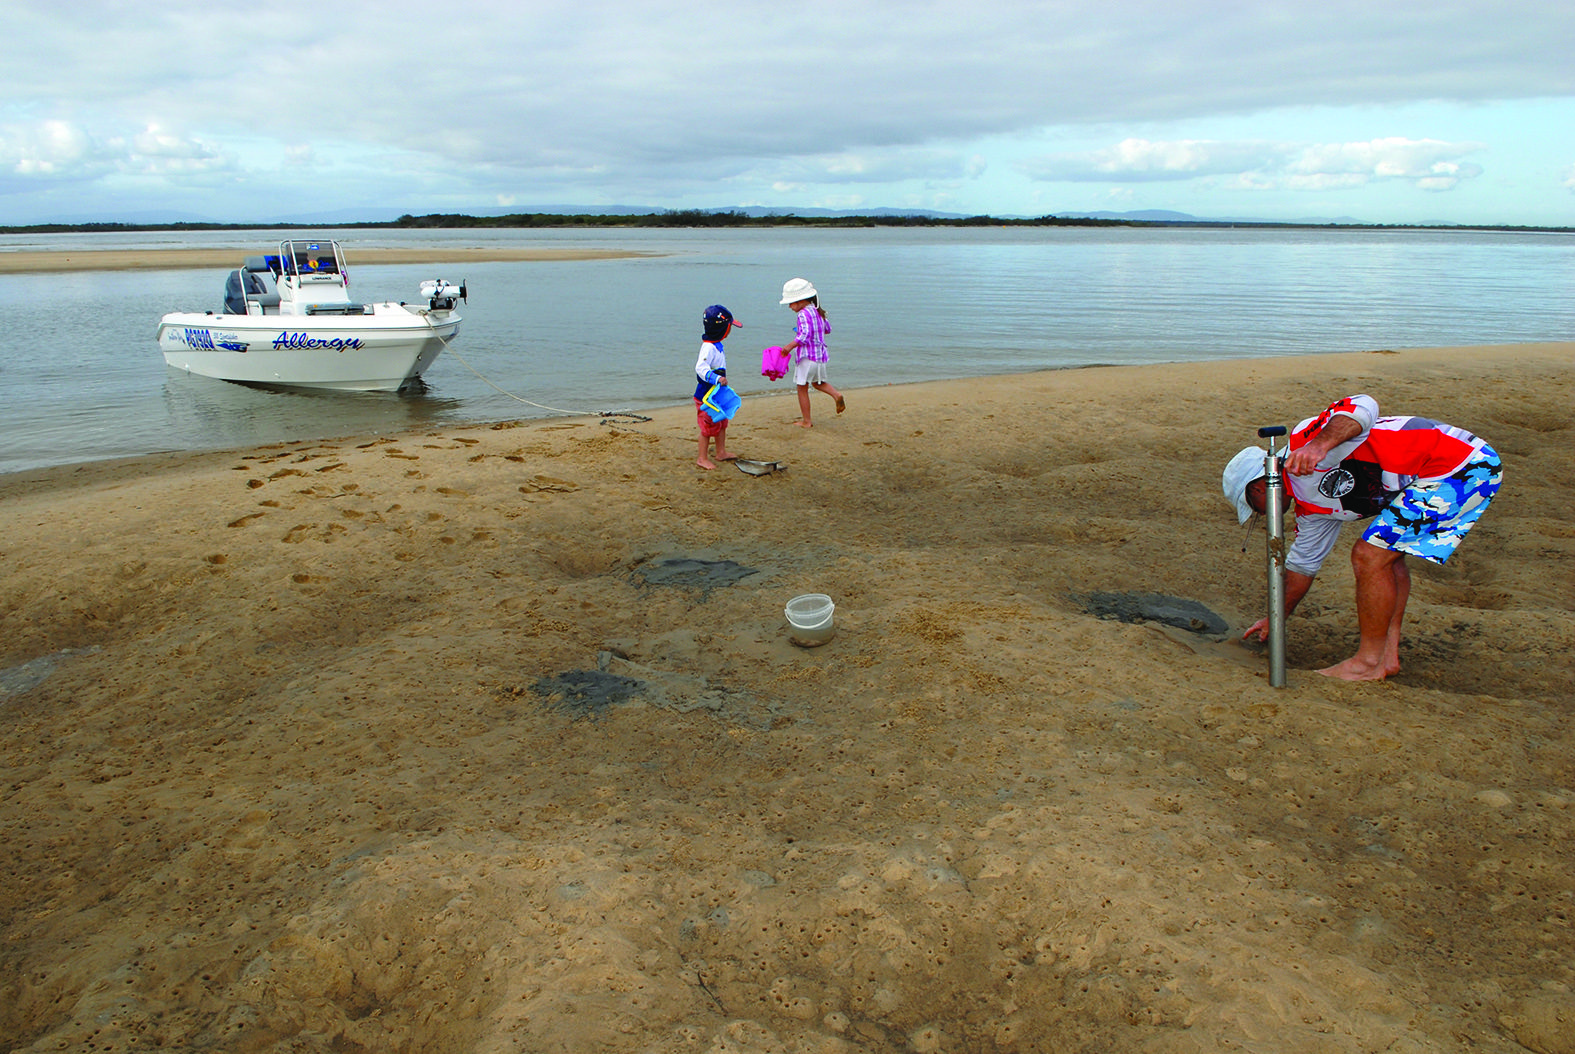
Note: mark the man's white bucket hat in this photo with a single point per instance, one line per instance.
(796, 289)
(1242, 470)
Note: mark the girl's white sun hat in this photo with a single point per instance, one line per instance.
(796, 289)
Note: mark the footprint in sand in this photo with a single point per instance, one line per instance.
(248, 518)
(536, 483)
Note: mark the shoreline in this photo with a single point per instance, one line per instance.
(491, 737)
(42, 474)
(49, 261)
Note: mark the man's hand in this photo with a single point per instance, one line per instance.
(1304, 460)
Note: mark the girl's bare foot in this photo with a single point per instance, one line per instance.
(705, 463)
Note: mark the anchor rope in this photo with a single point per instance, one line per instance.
(606, 415)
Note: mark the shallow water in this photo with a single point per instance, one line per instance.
(83, 378)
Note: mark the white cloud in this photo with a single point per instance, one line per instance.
(630, 100)
(1426, 163)
(48, 151)
(876, 166)
(1139, 161)
(584, 84)
(158, 151)
(55, 151)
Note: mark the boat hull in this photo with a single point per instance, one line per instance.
(383, 351)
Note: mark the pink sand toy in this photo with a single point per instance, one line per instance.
(773, 363)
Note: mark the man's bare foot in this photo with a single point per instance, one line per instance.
(705, 463)
(1354, 670)
(803, 424)
(842, 404)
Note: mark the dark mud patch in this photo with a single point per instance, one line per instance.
(689, 573)
(31, 674)
(587, 693)
(1155, 607)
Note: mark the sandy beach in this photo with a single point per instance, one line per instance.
(493, 739)
(33, 260)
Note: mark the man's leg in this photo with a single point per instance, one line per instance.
(1380, 605)
(1402, 572)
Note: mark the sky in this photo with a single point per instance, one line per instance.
(1377, 111)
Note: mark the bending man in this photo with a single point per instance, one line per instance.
(1424, 483)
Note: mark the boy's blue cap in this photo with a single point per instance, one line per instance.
(718, 313)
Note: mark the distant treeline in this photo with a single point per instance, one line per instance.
(683, 218)
(700, 218)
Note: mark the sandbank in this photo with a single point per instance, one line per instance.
(39, 260)
(437, 743)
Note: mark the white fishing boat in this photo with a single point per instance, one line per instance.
(289, 321)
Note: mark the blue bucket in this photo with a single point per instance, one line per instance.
(721, 402)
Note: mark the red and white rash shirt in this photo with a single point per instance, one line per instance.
(1361, 475)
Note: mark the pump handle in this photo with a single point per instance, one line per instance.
(1270, 431)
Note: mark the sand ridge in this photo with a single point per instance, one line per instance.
(286, 767)
(23, 261)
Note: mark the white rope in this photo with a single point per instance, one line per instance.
(488, 381)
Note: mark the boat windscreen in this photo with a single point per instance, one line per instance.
(310, 257)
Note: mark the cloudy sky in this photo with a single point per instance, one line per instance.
(1382, 111)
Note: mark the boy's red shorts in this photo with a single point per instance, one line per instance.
(708, 428)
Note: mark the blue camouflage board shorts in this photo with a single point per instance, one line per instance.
(1429, 517)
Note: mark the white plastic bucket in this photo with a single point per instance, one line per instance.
(810, 619)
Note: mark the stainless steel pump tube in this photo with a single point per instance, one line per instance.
(1274, 511)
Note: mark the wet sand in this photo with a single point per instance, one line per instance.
(436, 743)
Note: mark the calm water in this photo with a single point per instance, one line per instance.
(83, 380)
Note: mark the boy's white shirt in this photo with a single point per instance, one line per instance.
(711, 359)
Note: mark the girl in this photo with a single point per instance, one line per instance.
(808, 346)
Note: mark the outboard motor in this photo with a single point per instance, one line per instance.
(441, 294)
(234, 297)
